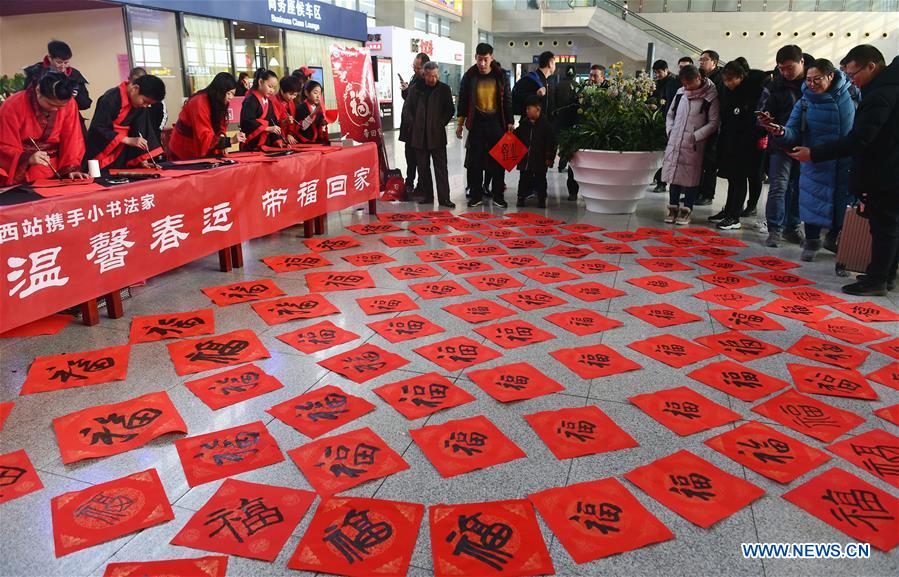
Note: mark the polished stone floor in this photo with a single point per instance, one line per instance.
(25, 523)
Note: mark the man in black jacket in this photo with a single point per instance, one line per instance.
(485, 109)
(709, 67)
(411, 161)
(666, 87)
(537, 82)
(427, 110)
(777, 100)
(873, 144)
(58, 58)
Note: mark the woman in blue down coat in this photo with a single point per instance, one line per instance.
(824, 113)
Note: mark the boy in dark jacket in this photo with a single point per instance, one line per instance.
(537, 134)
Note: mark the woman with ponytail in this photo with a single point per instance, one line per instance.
(40, 132)
(311, 115)
(200, 130)
(257, 115)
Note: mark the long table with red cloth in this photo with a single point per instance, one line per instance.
(61, 251)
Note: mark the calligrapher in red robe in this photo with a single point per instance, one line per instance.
(285, 106)
(257, 115)
(200, 130)
(312, 116)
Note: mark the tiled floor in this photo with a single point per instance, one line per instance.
(25, 523)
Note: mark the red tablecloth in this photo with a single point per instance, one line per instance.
(62, 251)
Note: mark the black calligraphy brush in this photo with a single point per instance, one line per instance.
(147, 148)
(51, 166)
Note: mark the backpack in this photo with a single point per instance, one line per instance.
(706, 104)
(518, 92)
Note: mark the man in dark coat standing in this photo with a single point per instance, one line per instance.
(485, 109)
(709, 67)
(405, 131)
(873, 144)
(58, 58)
(666, 88)
(427, 110)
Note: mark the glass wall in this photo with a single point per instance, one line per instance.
(154, 46)
(257, 46)
(207, 50)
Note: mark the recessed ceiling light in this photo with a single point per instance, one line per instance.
(243, 29)
(262, 37)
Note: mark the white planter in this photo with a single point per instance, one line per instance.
(614, 182)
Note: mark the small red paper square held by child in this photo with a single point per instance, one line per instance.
(509, 151)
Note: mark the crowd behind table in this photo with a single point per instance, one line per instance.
(825, 135)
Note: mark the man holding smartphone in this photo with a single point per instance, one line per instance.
(405, 127)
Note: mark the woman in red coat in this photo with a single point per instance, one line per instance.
(40, 133)
(204, 120)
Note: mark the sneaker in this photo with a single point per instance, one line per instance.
(702, 201)
(761, 226)
(684, 215)
(794, 236)
(660, 187)
(747, 212)
(500, 203)
(447, 204)
(730, 223)
(671, 215)
(718, 217)
(541, 203)
(521, 202)
(864, 289)
(774, 238)
(473, 203)
(810, 248)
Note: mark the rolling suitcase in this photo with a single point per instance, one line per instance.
(854, 250)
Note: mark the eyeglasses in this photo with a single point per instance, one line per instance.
(851, 75)
(817, 80)
(705, 59)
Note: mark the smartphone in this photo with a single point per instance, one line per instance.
(400, 77)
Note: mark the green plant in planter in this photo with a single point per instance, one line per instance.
(621, 117)
(10, 85)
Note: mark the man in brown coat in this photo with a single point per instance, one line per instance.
(428, 109)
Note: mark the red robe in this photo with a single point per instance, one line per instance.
(257, 114)
(114, 120)
(193, 136)
(284, 111)
(58, 134)
(317, 132)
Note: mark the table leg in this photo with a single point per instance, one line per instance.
(237, 255)
(225, 256)
(308, 231)
(321, 225)
(373, 206)
(114, 309)
(90, 314)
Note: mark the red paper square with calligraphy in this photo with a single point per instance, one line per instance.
(413, 271)
(294, 262)
(522, 243)
(364, 363)
(868, 312)
(533, 299)
(514, 382)
(359, 538)
(227, 452)
(663, 315)
(738, 380)
(710, 251)
(465, 445)
(116, 428)
(699, 231)
(206, 353)
(423, 395)
(597, 519)
(18, 476)
(847, 331)
(253, 290)
(107, 511)
(887, 375)
(502, 233)
(577, 239)
(829, 352)
(368, 258)
(874, 451)
(494, 281)
(742, 320)
(808, 416)
(726, 241)
(439, 289)
(583, 322)
(146, 329)
(727, 280)
(484, 250)
(795, 310)
(317, 337)
(693, 488)
(373, 228)
(722, 265)
(738, 346)
(70, 370)
(338, 281)
(808, 296)
(462, 239)
(728, 298)
(672, 350)
(495, 538)
(582, 227)
(612, 248)
(593, 362)
(592, 266)
(549, 275)
(405, 328)
(438, 255)
(567, 251)
(427, 229)
(210, 566)
(392, 303)
(889, 414)
(540, 231)
(662, 264)
(650, 232)
(466, 266)
(684, 411)
(591, 291)
(508, 151)
(659, 284)
(625, 235)
(479, 311)
(246, 519)
(851, 505)
(818, 380)
(321, 410)
(337, 463)
(513, 334)
(771, 262)
(333, 243)
(579, 431)
(781, 278)
(5, 410)
(278, 311)
(233, 386)
(680, 241)
(400, 216)
(768, 452)
(397, 241)
(659, 251)
(889, 348)
(514, 261)
(457, 353)
(49, 325)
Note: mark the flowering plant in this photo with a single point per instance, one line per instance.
(620, 117)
